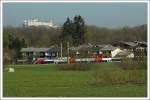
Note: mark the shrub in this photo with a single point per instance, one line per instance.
(135, 76)
(133, 64)
(143, 64)
(81, 67)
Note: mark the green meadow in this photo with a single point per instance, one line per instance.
(50, 81)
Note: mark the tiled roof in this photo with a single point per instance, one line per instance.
(35, 49)
(109, 47)
(132, 44)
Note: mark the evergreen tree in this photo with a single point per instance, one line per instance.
(67, 31)
(15, 45)
(11, 43)
(73, 31)
(79, 30)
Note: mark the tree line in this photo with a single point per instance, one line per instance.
(99, 35)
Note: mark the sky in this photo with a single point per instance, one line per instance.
(110, 15)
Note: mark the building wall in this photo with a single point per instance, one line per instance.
(106, 55)
(115, 52)
(106, 59)
(32, 56)
(140, 53)
(35, 22)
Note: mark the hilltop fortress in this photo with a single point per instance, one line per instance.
(36, 22)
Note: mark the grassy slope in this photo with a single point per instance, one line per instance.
(47, 81)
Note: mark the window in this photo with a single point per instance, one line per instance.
(53, 54)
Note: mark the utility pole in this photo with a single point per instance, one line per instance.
(61, 50)
(68, 52)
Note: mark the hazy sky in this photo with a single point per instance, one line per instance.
(110, 15)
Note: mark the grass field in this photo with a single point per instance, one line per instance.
(48, 81)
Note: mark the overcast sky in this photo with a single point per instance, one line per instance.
(111, 15)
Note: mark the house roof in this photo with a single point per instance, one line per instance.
(132, 44)
(123, 53)
(98, 47)
(143, 44)
(82, 47)
(37, 49)
(108, 47)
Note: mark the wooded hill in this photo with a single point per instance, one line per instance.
(46, 37)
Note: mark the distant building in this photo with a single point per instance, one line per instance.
(108, 52)
(140, 51)
(36, 22)
(81, 51)
(101, 53)
(136, 49)
(33, 54)
(124, 54)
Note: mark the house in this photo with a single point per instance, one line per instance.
(81, 51)
(96, 49)
(140, 51)
(108, 52)
(32, 54)
(105, 53)
(123, 54)
(136, 50)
